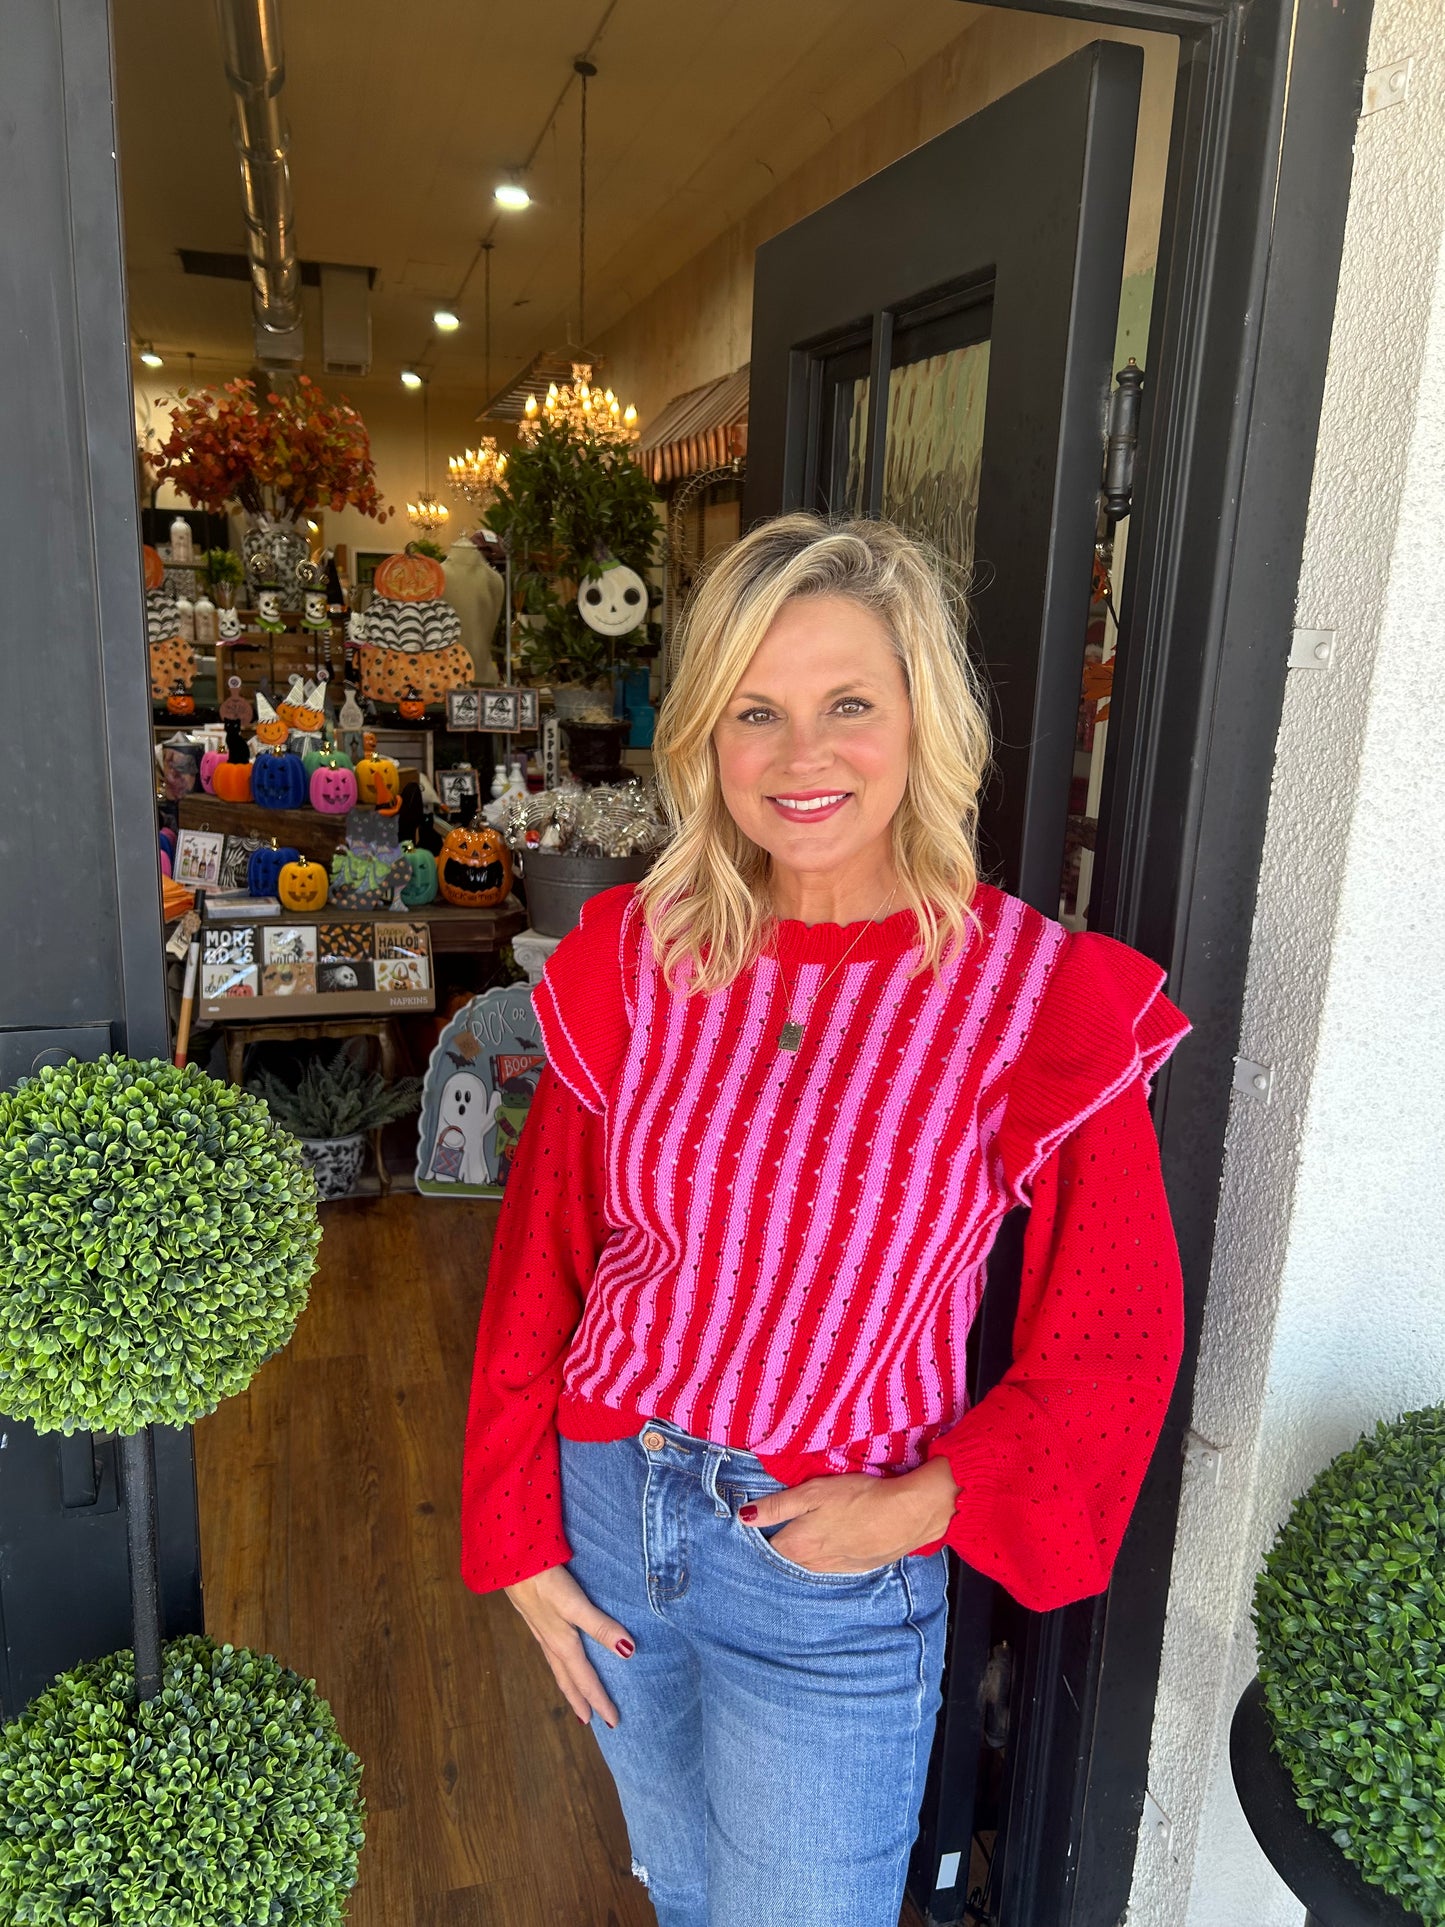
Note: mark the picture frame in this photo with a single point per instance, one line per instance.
(458, 785)
(527, 708)
(198, 857)
(464, 710)
(501, 709)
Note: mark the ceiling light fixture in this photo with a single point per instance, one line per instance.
(149, 356)
(445, 321)
(410, 378)
(511, 194)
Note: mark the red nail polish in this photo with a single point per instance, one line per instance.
(747, 1514)
(626, 1648)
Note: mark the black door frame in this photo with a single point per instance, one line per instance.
(1261, 151)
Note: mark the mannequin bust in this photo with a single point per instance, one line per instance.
(476, 591)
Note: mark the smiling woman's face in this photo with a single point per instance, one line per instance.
(812, 748)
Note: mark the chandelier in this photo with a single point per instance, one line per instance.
(426, 512)
(476, 474)
(587, 412)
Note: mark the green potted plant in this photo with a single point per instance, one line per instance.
(331, 1110)
(1348, 1711)
(225, 575)
(572, 501)
(158, 1236)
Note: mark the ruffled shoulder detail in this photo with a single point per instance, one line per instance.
(1102, 1023)
(587, 996)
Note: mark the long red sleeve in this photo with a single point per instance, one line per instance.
(1050, 1462)
(550, 1232)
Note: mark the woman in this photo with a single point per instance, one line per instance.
(718, 1433)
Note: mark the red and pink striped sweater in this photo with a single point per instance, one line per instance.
(785, 1251)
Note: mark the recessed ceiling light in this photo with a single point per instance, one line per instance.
(446, 321)
(410, 378)
(512, 194)
(149, 356)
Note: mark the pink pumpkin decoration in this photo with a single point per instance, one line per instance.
(209, 764)
(165, 864)
(333, 791)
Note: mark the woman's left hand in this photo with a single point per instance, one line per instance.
(851, 1522)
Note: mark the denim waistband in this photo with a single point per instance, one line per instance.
(679, 1448)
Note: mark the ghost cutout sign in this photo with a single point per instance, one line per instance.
(615, 602)
(478, 1087)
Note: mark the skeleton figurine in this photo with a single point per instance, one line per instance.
(315, 615)
(228, 627)
(267, 594)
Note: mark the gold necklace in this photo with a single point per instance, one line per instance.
(791, 1035)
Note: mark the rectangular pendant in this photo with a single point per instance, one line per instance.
(790, 1036)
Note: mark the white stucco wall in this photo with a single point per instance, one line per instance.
(1327, 1302)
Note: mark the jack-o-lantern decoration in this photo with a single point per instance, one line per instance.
(333, 788)
(411, 705)
(378, 780)
(423, 885)
(304, 709)
(410, 577)
(271, 732)
(264, 867)
(180, 702)
(232, 782)
(475, 868)
(155, 569)
(210, 763)
(323, 757)
(278, 781)
(302, 885)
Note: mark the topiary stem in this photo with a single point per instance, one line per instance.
(138, 1478)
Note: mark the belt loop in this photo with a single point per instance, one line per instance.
(713, 1464)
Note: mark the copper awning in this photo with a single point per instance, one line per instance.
(705, 428)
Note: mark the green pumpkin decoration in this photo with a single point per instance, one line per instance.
(328, 758)
(423, 885)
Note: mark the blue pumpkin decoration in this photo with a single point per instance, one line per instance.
(278, 781)
(263, 871)
(423, 885)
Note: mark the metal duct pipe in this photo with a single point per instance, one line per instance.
(256, 72)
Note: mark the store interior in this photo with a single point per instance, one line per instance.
(440, 337)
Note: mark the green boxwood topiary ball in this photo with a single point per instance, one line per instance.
(1350, 1611)
(158, 1236)
(229, 1798)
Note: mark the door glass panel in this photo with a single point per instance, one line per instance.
(934, 447)
(856, 445)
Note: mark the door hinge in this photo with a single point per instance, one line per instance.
(1123, 441)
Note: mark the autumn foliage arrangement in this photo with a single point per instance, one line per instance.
(297, 452)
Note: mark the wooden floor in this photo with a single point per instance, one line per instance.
(329, 1516)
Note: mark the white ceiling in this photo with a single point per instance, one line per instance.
(403, 118)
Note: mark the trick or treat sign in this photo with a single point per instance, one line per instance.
(478, 1088)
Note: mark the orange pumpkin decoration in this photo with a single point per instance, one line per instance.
(232, 782)
(155, 569)
(302, 886)
(409, 577)
(180, 702)
(412, 707)
(475, 868)
(273, 733)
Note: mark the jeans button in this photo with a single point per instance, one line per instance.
(654, 1441)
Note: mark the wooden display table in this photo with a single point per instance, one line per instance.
(312, 832)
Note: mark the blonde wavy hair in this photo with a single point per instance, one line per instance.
(706, 899)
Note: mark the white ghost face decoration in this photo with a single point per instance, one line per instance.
(615, 602)
(316, 606)
(268, 605)
(465, 1115)
(229, 629)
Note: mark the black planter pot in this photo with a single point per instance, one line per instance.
(594, 750)
(1306, 1860)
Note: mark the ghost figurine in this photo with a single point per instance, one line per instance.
(228, 625)
(615, 602)
(465, 1115)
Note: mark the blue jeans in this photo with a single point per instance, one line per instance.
(775, 1723)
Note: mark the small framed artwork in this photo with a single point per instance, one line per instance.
(198, 858)
(457, 786)
(500, 708)
(526, 709)
(464, 709)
